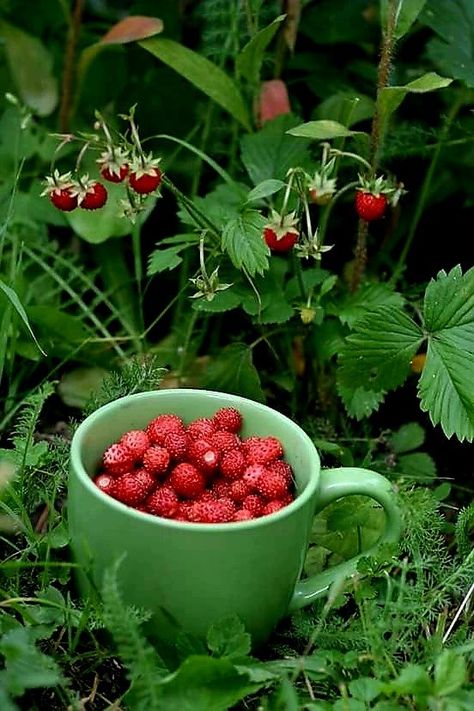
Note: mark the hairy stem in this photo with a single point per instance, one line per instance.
(68, 70)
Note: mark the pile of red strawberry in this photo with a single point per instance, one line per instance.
(203, 472)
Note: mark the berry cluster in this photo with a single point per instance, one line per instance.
(203, 472)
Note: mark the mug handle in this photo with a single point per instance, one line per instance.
(334, 484)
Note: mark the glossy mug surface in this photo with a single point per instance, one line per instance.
(190, 575)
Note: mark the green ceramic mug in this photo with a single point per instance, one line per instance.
(195, 574)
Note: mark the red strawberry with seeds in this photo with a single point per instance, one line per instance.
(113, 165)
(233, 464)
(117, 459)
(163, 425)
(134, 487)
(228, 419)
(239, 490)
(280, 233)
(203, 455)
(61, 190)
(272, 507)
(202, 428)
(107, 173)
(370, 206)
(163, 502)
(184, 508)
(106, 483)
(252, 475)
(187, 481)
(282, 468)
(221, 488)
(223, 441)
(243, 515)
(271, 486)
(254, 504)
(156, 460)
(145, 182)
(262, 450)
(176, 443)
(93, 197)
(137, 442)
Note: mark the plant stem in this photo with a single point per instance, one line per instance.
(425, 188)
(68, 71)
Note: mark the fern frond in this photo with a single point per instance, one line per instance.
(464, 527)
(144, 666)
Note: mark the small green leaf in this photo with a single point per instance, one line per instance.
(321, 130)
(270, 152)
(446, 385)
(222, 301)
(412, 680)
(228, 638)
(450, 672)
(366, 689)
(377, 354)
(18, 306)
(249, 61)
(31, 66)
(408, 437)
(265, 189)
(359, 403)
(392, 96)
(366, 299)
(203, 73)
(242, 240)
(162, 259)
(407, 14)
(234, 372)
(348, 108)
(25, 666)
(418, 466)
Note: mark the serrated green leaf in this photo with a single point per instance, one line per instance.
(392, 96)
(418, 466)
(242, 240)
(366, 299)
(233, 371)
(249, 61)
(359, 403)
(408, 437)
(450, 672)
(453, 50)
(19, 308)
(446, 385)
(222, 301)
(203, 73)
(270, 153)
(265, 189)
(228, 638)
(412, 680)
(322, 130)
(162, 259)
(26, 667)
(366, 689)
(377, 355)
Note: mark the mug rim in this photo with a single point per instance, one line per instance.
(76, 464)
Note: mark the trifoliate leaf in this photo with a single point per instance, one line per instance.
(243, 241)
(446, 386)
(377, 354)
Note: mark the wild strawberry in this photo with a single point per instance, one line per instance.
(239, 490)
(321, 187)
(243, 515)
(283, 468)
(221, 488)
(224, 510)
(252, 475)
(61, 191)
(137, 442)
(163, 502)
(202, 428)
(183, 510)
(117, 459)
(254, 504)
(207, 495)
(156, 460)
(218, 511)
(145, 176)
(370, 207)
(232, 464)
(262, 450)
(228, 419)
(271, 486)
(176, 443)
(158, 428)
(203, 455)
(113, 165)
(272, 507)
(91, 194)
(223, 441)
(105, 482)
(187, 481)
(134, 487)
(280, 233)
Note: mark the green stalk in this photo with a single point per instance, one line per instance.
(425, 188)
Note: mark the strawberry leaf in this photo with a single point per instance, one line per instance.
(234, 372)
(446, 386)
(368, 298)
(359, 403)
(378, 352)
(242, 240)
(322, 130)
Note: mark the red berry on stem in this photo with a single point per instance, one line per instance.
(280, 244)
(114, 176)
(63, 199)
(145, 181)
(370, 207)
(94, 197)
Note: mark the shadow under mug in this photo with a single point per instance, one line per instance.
(196, 574)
